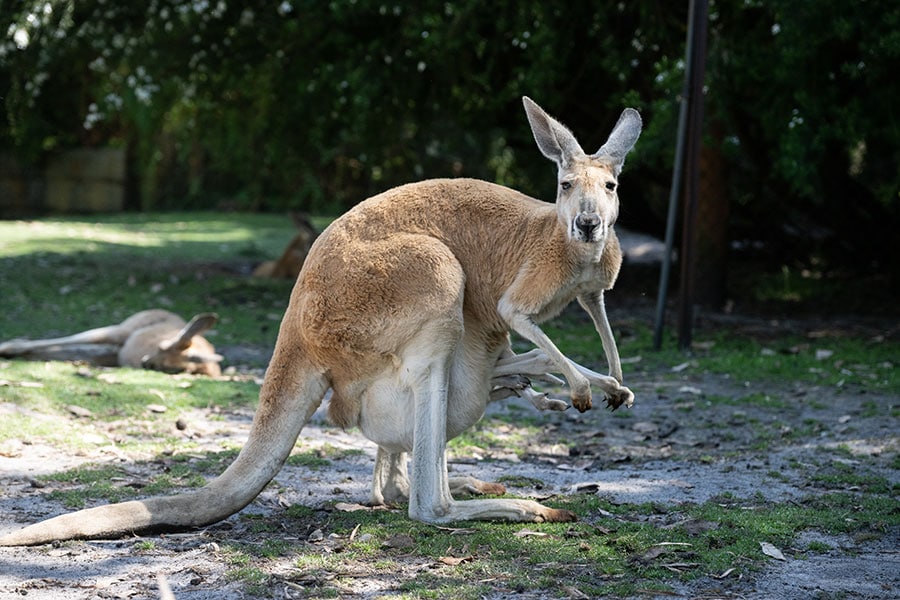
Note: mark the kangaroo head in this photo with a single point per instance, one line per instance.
(587, 203)
(187, 351)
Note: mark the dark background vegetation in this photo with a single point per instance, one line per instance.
(313, 105)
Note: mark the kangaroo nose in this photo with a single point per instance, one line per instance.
(587, 223)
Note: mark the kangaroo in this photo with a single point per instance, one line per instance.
(403, 308)
(151, 339)
(291, 260)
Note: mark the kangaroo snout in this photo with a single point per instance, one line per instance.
(588, 225)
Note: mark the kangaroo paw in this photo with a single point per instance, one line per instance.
(620, 397)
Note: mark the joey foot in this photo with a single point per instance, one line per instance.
(622, 396)
(461, 486)
(545, 402)
(492, 489)
(582, 402)
(581, 395)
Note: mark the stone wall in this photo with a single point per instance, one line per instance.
(84, 180)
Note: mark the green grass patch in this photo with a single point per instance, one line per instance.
(116, 401)
(84, 273)
(86, 484)
(505, 433)
(613, 551)
(841, 476)
(830, 361)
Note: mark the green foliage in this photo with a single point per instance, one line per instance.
(319, 104)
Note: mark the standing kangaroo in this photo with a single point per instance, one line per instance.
(403, 308)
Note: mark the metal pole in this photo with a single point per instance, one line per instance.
(695, 139)
(675, 187)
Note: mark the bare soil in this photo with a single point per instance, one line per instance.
(679, 443)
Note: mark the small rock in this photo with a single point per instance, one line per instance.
(79, 411)
(316, 536)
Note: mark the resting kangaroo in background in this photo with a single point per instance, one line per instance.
(151, 339)
(291, 260)
(403, 308)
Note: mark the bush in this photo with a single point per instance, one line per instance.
(316, 105)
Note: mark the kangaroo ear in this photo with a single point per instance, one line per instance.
(200, 357)
(182, 340)
(554, 140)
(622, 139)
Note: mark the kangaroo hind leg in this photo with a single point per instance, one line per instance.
(430, 497)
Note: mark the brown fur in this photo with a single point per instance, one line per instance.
(291, 261)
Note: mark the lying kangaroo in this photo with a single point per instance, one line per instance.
(291, 260)
(151, 339)
(403, 309)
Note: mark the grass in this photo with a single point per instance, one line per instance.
(85, 273)
(116, 400)
(838, 361)
(65, 275)
(614, 551)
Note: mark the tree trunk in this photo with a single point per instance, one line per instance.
(711, 225)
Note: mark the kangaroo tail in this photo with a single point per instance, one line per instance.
(291, 393)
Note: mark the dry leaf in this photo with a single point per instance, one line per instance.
(350, 507)
(454, 561)
(725, 573)
(689, 389)
(24, 384)
(680, 567)
(316, 536)
(78, 411)
(457, 530)
(683, 544)
(654, 553)
(575, 593)
(528, 533)
(399, 541)
(770, 550)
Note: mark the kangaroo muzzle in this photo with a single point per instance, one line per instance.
(588, 226)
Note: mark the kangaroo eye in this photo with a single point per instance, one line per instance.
(565, 185)
(611, 186)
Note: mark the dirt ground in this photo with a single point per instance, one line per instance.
(680, 443)
(673, 446)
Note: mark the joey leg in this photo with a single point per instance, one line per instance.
(390, 481)
(460, 486)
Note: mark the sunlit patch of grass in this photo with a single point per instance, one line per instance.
(493, 433)
(114, 403)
